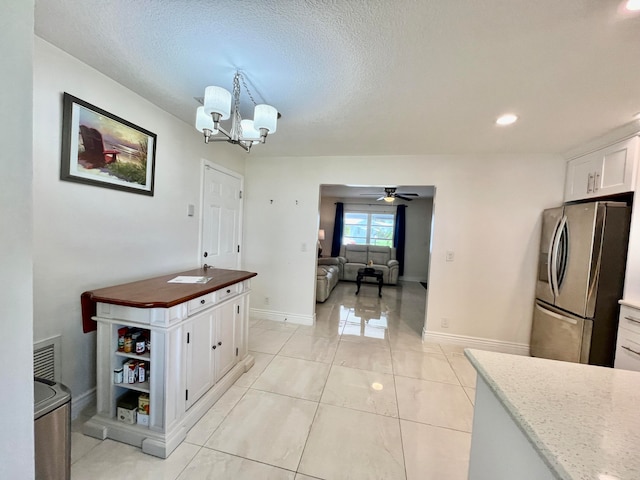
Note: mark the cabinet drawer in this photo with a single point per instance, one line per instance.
(629, 319)
(200, 303)
(226, 292)
(628, 350)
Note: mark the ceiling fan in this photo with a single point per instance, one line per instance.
(390, 194)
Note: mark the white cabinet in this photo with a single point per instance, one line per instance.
(608, 171)
(210, 348)
(223, 344)
(198, 349)
(628, 343)
(199, 358)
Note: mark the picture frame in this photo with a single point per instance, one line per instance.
(102, 149)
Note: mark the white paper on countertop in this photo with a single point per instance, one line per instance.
(189, 279)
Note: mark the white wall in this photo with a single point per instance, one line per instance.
(418, 230)
(487, 210)
(418, 236)
(16, 312)
(327, 221)
(89, 237)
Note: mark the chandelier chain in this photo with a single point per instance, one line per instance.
(236, 101)
(244, 84)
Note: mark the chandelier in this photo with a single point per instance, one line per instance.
(218, 106)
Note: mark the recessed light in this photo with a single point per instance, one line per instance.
(507, 119)
(633, 5)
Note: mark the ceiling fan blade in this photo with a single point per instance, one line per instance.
(369, 194)
(381, 198)
(408, 194)
(403, 197)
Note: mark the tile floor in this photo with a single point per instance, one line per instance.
(357, 396)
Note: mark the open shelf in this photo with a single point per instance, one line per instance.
(138, 387)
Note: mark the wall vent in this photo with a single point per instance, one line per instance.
(46, 359)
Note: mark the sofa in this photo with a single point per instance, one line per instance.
(354, 257)
(327, 276)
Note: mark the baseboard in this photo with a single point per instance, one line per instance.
(260, 314)
(476, 342)
(82, 401)
(412, 279)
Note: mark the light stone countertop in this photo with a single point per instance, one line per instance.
(583, 420)
(630, 303)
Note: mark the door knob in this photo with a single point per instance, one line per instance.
(214, 347)
(219, 344)
(206, 254)
(202, 301)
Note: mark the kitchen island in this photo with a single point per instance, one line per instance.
(544, 419)
(167, 348)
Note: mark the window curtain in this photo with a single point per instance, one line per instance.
(338, 227)
(399, 236)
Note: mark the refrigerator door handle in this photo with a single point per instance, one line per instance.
(557, 315)
(557, 237)
(550, 256)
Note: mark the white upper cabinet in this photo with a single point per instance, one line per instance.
(607, 171)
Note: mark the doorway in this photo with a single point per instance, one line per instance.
(419, 201)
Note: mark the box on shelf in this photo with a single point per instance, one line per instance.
(127, 416)
(143, 419)
(127, 406)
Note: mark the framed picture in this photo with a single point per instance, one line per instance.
(101, 149)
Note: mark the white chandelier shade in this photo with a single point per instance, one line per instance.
(204, 121)
(217, 100)
(249, 131)
(265, 116)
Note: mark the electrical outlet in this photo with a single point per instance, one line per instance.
(303, 247)
(444, 323)
(450, 255)
(267, 300)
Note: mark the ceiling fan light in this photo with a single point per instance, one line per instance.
(507, 119)
(217, 100)
(249, 132)
(389, 199)
(265, 116)
(204, 121)
(633, 5)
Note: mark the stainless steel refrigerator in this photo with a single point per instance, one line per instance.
(581, 269)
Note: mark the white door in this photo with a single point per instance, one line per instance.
(221, 214)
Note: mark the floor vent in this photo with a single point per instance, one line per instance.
(46, 359)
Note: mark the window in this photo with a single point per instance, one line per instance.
(366, 228)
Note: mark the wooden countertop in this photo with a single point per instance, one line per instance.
(157, 293)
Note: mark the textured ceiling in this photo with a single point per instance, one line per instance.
(362, 77)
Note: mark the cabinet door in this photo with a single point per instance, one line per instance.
(225, 352)
(616, 168)
(580, 177)
(199, 361)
